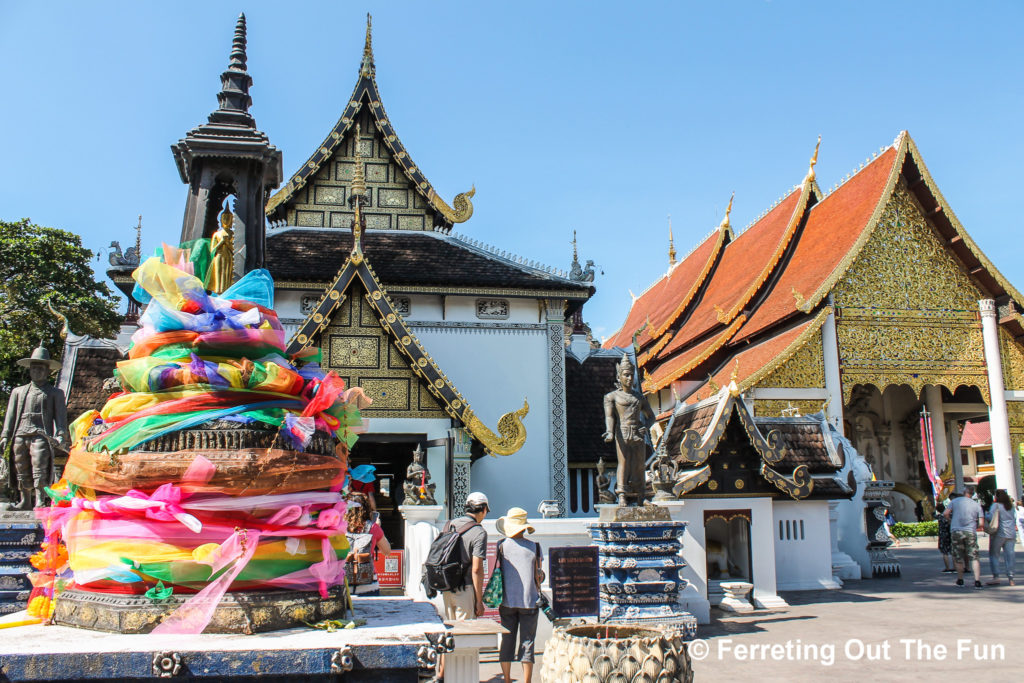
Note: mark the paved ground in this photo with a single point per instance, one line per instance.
(919, 625)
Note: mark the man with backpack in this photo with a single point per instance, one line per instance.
(455, 563)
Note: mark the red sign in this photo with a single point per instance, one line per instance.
(389, 569)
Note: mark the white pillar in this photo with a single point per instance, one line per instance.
(933, 400)
(953, 435)
(555, 320)
(420, 530)
(998, 420)
(833, 382)
(843, 566)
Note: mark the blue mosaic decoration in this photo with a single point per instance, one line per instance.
(639, 573)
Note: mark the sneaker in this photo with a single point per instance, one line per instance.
(959, 582)
(949, 571)
(977, 584)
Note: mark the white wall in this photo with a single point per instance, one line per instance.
(495, 369)
(803, 550)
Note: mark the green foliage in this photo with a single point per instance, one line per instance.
(914, 529)
(39, 264)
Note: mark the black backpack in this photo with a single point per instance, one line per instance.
(447, 562)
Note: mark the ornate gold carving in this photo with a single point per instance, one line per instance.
(805, 368)
(510, 427)
(798, 485)
(777, 407)
(1015, 414)
(463, 210)
(387, 394)
(900, 325)
(350, 351)
(713, 485)
(812, 332)
(1012, 356)
(688, 481)
(738, 484)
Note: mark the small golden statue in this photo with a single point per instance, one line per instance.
(222, 244)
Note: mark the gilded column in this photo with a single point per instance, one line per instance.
(555, 318)
(1006, 473)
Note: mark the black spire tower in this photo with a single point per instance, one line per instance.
(228, 156)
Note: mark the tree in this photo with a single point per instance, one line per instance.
(40, 264)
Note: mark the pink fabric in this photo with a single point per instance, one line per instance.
(193, 616)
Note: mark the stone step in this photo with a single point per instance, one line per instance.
(20, 535)
(11, 607)
(13, 555)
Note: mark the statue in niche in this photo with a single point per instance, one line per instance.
(604, 485)
(663, 476)
(627, 416)
(417, 486)
(35, 425)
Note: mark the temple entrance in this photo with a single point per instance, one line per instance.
(727, 547)
(391, 454)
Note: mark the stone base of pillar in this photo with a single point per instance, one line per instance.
(420, 530)
(737, 596)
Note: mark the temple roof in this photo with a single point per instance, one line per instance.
(797, 454)
(776, 277)
(366, 94)
(411, 258)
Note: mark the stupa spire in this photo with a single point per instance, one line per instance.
(725, 225)
(671, 244)
(367, 68)
(358, 195)
(235, 82)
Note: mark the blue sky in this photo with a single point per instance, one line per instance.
(600, 117)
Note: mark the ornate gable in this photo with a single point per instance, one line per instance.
(906, 311)
(399, 196)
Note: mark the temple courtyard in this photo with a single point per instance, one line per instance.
(879, 629)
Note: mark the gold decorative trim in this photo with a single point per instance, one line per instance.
(789, 351)
(894, 174)
(688, 481)
(798, 486)
(511, 431)
(650, 387)
(451, 291)
(724, 231)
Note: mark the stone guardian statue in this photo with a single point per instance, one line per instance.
(36, 423)
(626, 417)
(418, 488)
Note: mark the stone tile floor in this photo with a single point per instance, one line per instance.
(919, 625)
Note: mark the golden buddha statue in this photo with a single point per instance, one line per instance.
(222, 245)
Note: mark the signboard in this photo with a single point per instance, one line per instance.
(389, 569)
(575, 591)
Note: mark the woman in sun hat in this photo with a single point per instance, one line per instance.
(520, 562)
(363, 479)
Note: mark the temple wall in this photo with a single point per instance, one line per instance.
(495, 369)
(906, 311)
(803, 554)
(394, 203)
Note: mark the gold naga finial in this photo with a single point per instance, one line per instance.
(367, 68)
(66, 329)
(713, 385)
(735, 372)
(814, 160)
(725, 225)
(632, 295)
(671, 244)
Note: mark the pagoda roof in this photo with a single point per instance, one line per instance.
(780, 271)
(366, 94)
(512, 433)
(412, 259)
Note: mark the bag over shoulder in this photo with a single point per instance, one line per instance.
(448, 560)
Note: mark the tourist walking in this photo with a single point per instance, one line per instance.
(945, 542)
(365, 539)
(1020, 522)
(965, 515)
(1002, 532)
(467, 601)
(521, 575)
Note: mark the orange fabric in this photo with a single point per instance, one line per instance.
(153, 342)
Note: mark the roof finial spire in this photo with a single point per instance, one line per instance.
(814, 160)
(358, 191)
(575, 252)
(725, 225)
(367, 68)
(671, 244)
(238, 45)
(234, 83)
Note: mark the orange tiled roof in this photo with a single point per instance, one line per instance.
(752, 363)
(663, 301)
(833, 230)
(686, 361)
(745, 264)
